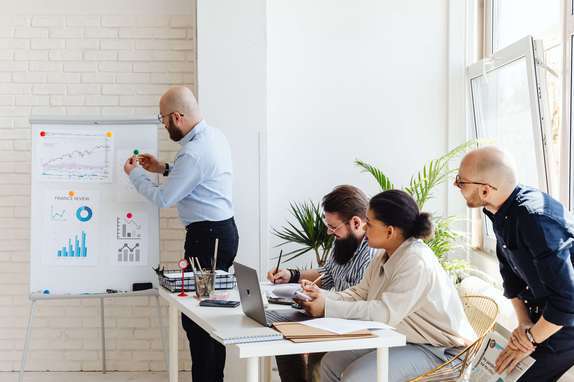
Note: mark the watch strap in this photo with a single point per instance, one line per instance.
(531, 338)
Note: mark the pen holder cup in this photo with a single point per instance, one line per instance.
(204, 284)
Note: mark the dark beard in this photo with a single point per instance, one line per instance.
(174, 133)
(345, 249)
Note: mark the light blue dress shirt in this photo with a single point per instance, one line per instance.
(199, 181)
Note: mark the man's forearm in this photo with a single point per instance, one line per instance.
(543, 329)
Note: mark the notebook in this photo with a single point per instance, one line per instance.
(297, 332)
(246, 335)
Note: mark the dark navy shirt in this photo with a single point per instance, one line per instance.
(535, 249)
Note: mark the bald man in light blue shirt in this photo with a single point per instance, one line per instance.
(199, 184)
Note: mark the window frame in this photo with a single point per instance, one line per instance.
(567, 155)
(527, 49)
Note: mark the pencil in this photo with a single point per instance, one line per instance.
(200, 269)
(278, 262)
(317, 279)
(215, 254)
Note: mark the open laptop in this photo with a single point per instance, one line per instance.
(252, 301)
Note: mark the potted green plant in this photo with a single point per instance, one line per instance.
(308, 231)
(421, 188)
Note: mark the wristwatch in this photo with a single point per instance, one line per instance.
(531, 338)
(166, 171)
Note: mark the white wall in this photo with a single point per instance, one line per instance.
(232, 89)
(353, 79)
(303, 88)
(82, 58)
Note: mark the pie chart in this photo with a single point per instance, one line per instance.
(84, 213)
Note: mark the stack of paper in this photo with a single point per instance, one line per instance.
(297, 332)
(343, 326)
(256, 334)
(287, 291)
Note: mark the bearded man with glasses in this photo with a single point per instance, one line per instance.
(345, 214)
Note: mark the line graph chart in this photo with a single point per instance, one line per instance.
(75, 156)
(57, 214)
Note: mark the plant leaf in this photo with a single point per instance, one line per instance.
(383, 180)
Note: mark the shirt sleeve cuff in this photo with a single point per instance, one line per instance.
(511, 293)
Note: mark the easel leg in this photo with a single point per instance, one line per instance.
(162, 334)
(103, 336)
(27, 343)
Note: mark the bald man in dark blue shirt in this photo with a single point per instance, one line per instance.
(535, 250)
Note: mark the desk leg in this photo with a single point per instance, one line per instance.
(252, 369)
(382, 364)
(173, 342)
(267, 369)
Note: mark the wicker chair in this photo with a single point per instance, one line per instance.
(481, 312)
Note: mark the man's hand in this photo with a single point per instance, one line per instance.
(282, 276)
(315, 307)
(519, 341)
(130, 164)
(151, 164)
(508, 359)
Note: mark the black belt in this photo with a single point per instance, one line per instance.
(209, 224)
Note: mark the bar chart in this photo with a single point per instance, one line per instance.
(128, 229)
(129, 254)
(77, 248)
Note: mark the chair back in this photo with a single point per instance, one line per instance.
(481, 312)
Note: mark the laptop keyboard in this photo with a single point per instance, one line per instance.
(273, 316)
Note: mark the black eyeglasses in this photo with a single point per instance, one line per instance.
(161, 117)
(459, 183)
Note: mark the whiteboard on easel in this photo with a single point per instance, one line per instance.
(90, 229)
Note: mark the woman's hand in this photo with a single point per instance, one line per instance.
(315, 307)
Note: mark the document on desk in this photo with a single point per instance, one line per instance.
(343, 326)
(292, 290)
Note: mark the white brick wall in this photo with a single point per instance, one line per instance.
(73, 64)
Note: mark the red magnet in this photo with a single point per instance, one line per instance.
(182, 264)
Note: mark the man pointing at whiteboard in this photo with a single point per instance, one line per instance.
(199, 184)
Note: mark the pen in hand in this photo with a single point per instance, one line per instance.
(278, 262)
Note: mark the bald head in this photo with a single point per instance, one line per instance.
(182, 100)
(490, 165)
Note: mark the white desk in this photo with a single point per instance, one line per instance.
(212, 319)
